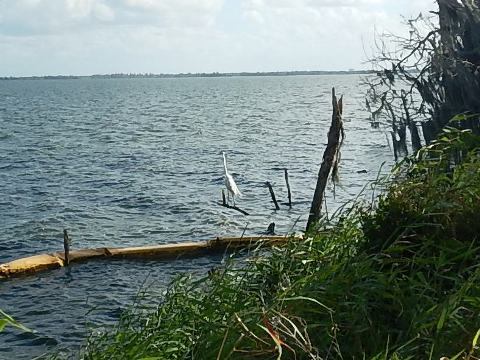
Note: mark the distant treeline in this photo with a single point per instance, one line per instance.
(186, 75)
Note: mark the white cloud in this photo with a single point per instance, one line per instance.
(173, 13)
(40, 17)
(37, 17)
(334, 26)
(336, 30)
(103, 12)
(176, 5)
(101, 36)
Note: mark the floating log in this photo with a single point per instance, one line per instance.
(32, 264)
(37, 263)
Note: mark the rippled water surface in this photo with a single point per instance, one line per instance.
(137, 161)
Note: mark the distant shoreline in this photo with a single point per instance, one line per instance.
(187, 75)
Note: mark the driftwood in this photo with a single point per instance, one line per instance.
(330, 160)
(288, 189)
(272, 194)
(234, 207)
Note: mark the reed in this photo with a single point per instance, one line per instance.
(7, 320)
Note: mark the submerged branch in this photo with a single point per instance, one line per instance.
(233, 207)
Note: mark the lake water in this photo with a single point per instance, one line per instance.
(137, 161)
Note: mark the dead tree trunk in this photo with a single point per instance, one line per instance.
(330, 159)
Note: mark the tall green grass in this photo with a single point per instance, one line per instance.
(395, 279)
(7, 320)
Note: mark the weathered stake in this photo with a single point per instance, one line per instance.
(224, 201)
(330, 159)
(66, 246)
(272, 194)
(288, 188)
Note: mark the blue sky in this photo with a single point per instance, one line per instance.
(50, 37)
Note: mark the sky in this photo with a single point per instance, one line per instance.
(84, 37)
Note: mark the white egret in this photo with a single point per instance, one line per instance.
(229, 182)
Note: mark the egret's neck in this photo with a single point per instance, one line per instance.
(225, 164)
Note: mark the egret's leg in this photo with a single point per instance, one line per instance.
(228, 196)
(233, 197)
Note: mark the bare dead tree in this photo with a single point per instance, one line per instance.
(331, 158)
(430, 76)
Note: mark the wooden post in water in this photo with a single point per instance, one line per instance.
(272, 194)
(66, 246)
(288, 188)
(224, 201)
(330, 159)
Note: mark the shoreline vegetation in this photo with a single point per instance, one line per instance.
(394, 278)
(397, 277)
(187, 75)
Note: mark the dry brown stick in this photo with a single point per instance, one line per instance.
(288, 189)
(228, 206)
(66, 246)
(272, 194)
(330, 157)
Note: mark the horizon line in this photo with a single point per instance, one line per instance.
(190, 74)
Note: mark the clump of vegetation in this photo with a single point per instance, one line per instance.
(396, 279)
(7, 320)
